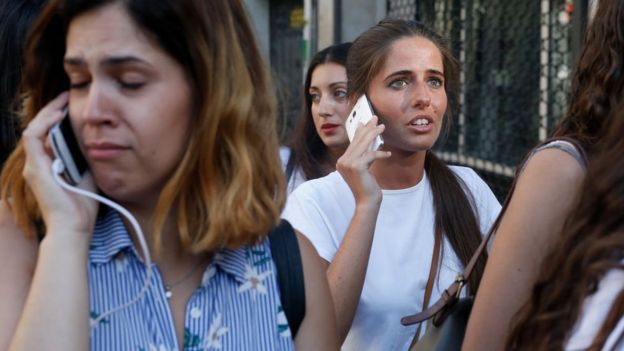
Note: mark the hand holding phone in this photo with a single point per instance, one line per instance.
(65, 147)
(361, 113)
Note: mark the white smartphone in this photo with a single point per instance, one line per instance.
(361, 113)
(65, 147)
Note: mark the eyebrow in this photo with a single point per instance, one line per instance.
(337, 83)
(110, 61)
(408, 72)
(330, 85)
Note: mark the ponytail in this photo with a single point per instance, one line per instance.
(455, 215)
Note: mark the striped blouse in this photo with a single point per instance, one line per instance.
(237, 306)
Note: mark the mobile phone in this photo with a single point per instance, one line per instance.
(65, 147)
(361, 113)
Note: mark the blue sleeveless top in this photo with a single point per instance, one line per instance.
(237, 306)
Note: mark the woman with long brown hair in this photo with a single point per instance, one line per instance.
(171, 106)
(320, 137)
(578, 300)
(377, 220)
(549, 183)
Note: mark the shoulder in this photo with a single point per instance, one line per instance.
(483, 199)
(314, 197)
(573, 149)
(475, 184)
(467, 174)
(320, 188)
(546, 188)
(554, 168)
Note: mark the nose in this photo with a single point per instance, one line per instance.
(421, 96)
(96, 108)
(326, 107)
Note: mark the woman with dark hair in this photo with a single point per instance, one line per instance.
(16, 17)
(548, 184)
(171, 106)
(578, 300)
(320, 136)
(380, 221)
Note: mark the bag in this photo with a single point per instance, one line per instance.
(450, 335)
(449, 315)
(287, 258)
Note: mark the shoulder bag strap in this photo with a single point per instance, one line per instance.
(451, 294)
(435, 259)
(287, 258)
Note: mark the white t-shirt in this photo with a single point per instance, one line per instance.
(297, 176)
(595, 309)
(401, 251)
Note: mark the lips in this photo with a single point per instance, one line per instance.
(104, 150)
(421, 124)
(329, 127)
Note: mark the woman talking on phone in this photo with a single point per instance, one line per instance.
(170, 105)
(375, 220)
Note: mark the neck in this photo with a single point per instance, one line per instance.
(170, 247)
(332, 156)
(399, 171)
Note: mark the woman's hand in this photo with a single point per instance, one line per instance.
(354, 164)
(62, 211)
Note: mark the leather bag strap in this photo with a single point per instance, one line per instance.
(451, 294)
(435, 259)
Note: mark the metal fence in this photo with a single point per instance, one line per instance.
(516, 58)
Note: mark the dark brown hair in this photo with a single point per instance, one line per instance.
(228, 189)
(307, 150)
(592, 244)
(597, 77)
(453, 203)
(16, 17)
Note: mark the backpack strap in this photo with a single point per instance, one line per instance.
(287, 258)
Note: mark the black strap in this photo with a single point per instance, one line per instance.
(287, 258)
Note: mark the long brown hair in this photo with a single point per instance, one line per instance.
(229, 187)
(453, 203)
(598, 76)
(307, 149)
(592, 244)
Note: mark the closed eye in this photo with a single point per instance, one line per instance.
(131, 86)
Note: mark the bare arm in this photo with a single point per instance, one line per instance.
(18, 256)
(544, 195)
(347, 270)
(318, 329)
(55, 313)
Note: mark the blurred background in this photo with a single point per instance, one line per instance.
(516, 55)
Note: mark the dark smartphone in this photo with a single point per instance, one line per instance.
(65, 147)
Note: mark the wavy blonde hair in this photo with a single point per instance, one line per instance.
(229, 188)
